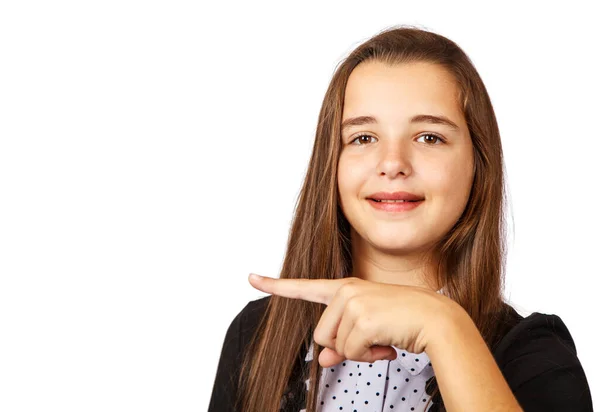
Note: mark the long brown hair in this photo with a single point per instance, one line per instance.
(471, 257)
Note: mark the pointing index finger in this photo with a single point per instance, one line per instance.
(312, 290)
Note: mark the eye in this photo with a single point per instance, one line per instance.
(435, 136)
(358, 137)
(439, 139)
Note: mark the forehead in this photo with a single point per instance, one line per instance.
(401, 90)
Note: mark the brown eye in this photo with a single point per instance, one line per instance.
(358, 137)
(438, 138)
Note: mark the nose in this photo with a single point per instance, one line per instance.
(393, 162)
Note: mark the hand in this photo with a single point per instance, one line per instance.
(363, 319)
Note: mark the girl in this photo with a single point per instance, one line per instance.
(393, 276)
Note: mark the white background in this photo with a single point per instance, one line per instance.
(152, 152)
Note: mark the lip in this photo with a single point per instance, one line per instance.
(395, 207)
(395, 196)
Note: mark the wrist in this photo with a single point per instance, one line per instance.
(446, 318)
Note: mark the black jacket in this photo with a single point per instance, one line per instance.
(536, 355)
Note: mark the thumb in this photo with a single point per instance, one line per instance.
(383, 353)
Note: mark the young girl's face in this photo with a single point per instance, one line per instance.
(432, 161)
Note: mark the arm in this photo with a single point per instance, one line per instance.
(225, 388)
(466, 371)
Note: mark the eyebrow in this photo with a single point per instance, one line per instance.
(419, 118)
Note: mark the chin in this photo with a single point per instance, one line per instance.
(394, 232)
(393, 242)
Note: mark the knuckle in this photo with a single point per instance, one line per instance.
(348, 289)
(355, 306)
(363, 324)
(319, 337)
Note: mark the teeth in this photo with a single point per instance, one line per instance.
(392, 201)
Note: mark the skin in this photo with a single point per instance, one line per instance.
(363, 319)
(401, 156)
(390, 299)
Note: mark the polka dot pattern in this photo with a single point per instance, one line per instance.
(384, 385)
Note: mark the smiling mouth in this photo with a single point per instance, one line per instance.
(395, 201)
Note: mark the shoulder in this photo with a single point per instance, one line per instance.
(239, 332)
(248, 319)
(536, 335)
(538, 358)
(254, 310)
(243, 326)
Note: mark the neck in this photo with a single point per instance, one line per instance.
(376, 265)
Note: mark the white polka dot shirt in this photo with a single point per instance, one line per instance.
(384, 385)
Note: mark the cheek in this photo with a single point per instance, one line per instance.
(351, 179)
(452, 183)
(350, 176)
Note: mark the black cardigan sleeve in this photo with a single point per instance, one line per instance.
(225, 387)
(539, 362)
